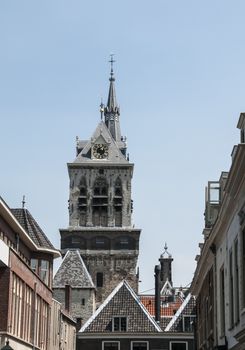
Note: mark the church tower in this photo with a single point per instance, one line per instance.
(100, 204)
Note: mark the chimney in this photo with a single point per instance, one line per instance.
(241, 126)
(157, 292)
(67, 297)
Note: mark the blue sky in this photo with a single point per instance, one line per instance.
(180, 85)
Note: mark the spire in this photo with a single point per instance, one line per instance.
(112, 101)
(112, 111)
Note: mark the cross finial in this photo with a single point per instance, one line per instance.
(111, 62)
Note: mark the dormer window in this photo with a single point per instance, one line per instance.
(119, 324)
(188, 323)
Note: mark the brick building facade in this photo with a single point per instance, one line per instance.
(26, 273)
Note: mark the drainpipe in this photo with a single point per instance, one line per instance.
(157, 292)
(35, 316)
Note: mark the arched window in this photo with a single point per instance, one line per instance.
(118, 202)
(100, 202)
(82, 202)
(99, 279)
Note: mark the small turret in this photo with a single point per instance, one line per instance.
(166, 266)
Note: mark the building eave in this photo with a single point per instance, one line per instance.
(16, 226)
(145, 335)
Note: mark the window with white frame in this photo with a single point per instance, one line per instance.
(110, 345)
(119, 324)
(178, 345)
(139, 345)
(188, 323)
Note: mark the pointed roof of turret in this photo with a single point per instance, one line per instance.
(73, 271)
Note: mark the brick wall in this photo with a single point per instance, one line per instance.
(4, 297)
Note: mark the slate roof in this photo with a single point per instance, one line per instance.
(32, 228)
(102, 135)
(121, 302)
(73, 271)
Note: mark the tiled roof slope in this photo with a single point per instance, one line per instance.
(121, 302)
(187, 309)
(73, 271)
(30, 225)
(171, 311)
(167, 308)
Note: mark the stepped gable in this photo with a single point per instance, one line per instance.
(30, 225)
(73, 271)
(121, 302)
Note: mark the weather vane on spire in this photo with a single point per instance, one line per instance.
(23, 202)
(111, 62)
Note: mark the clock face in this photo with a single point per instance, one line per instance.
(100, 151)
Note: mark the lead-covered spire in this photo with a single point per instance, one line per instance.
(112, 110)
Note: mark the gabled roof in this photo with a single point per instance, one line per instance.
(102, 133)
(167, 288)
(30, 225)
(186, 309)
(73, 271)
(121, 302)
(171, 312)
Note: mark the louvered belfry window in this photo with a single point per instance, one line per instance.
(100, 203)
(118, 203)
